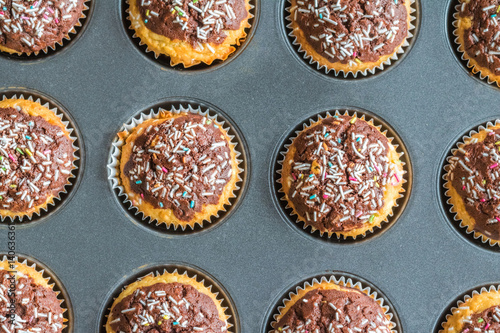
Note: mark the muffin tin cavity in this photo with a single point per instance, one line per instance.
(181, 268)
(341, 278)
(164, 60)
(64, 45)
(297, 52)
(279, 197)
(74, 178)
(185, 105)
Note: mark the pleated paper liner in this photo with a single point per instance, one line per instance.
(177, 105)
(458, 302)
(74, 178)
(447, 208)
(287, 212)
(452, 33)
(233, 322)
(54, 283)
(306, 59)
(164, 60)
(340, 278)
(73, 35)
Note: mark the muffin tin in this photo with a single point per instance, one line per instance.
(420, 263)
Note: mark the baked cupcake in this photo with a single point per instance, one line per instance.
(350, 36)
(36, 305)
(179, 169)
(167, 303)
(473, 183)
(479, 313)
(328, 307)
(36, 157)
(190, 32)
(31, 26)
(342, 176)
(478, 32)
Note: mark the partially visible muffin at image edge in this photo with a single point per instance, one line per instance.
(166, 303)
(474, 183)
(350, 36)
(191, 32)
(36, 306)
(31, 26)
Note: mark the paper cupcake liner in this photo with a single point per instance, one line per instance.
(308, 58)
(232, 321)
(343, 281)
(57, 45)
(71, 178)
(114, 164)
(385, 130)
(483, 239)
(53, 282)
(456, 305)
(461, 51)
(164, 59)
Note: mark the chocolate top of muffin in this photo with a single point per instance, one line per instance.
(36, 159)
(181, 164)
(334, 311)
(32, 25)
(474, 173)
(167, 307)
(339, 172)
(31, 307)
(195, 21)
(486, 321)
(482, 39)
(353, 31)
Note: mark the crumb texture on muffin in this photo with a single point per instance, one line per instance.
(36, 157)
(37, 308)
(167, 303)
(328, 307)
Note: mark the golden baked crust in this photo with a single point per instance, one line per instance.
(35, 109)
(182, 52)
(323, 285)
(338, 66)
(476, 304)
(23, 270)
(391, 193)
(163, 215)
(166, 278)
(457, 202)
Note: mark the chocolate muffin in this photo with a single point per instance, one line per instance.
(190, 31)
(350, 36)
(179, 169)
(473, 183)
(36, 157)
(328, 307)
(342, 176)
(36, 306)
(478, 36)
(166, 303)
(31, 26)
(479, 313)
